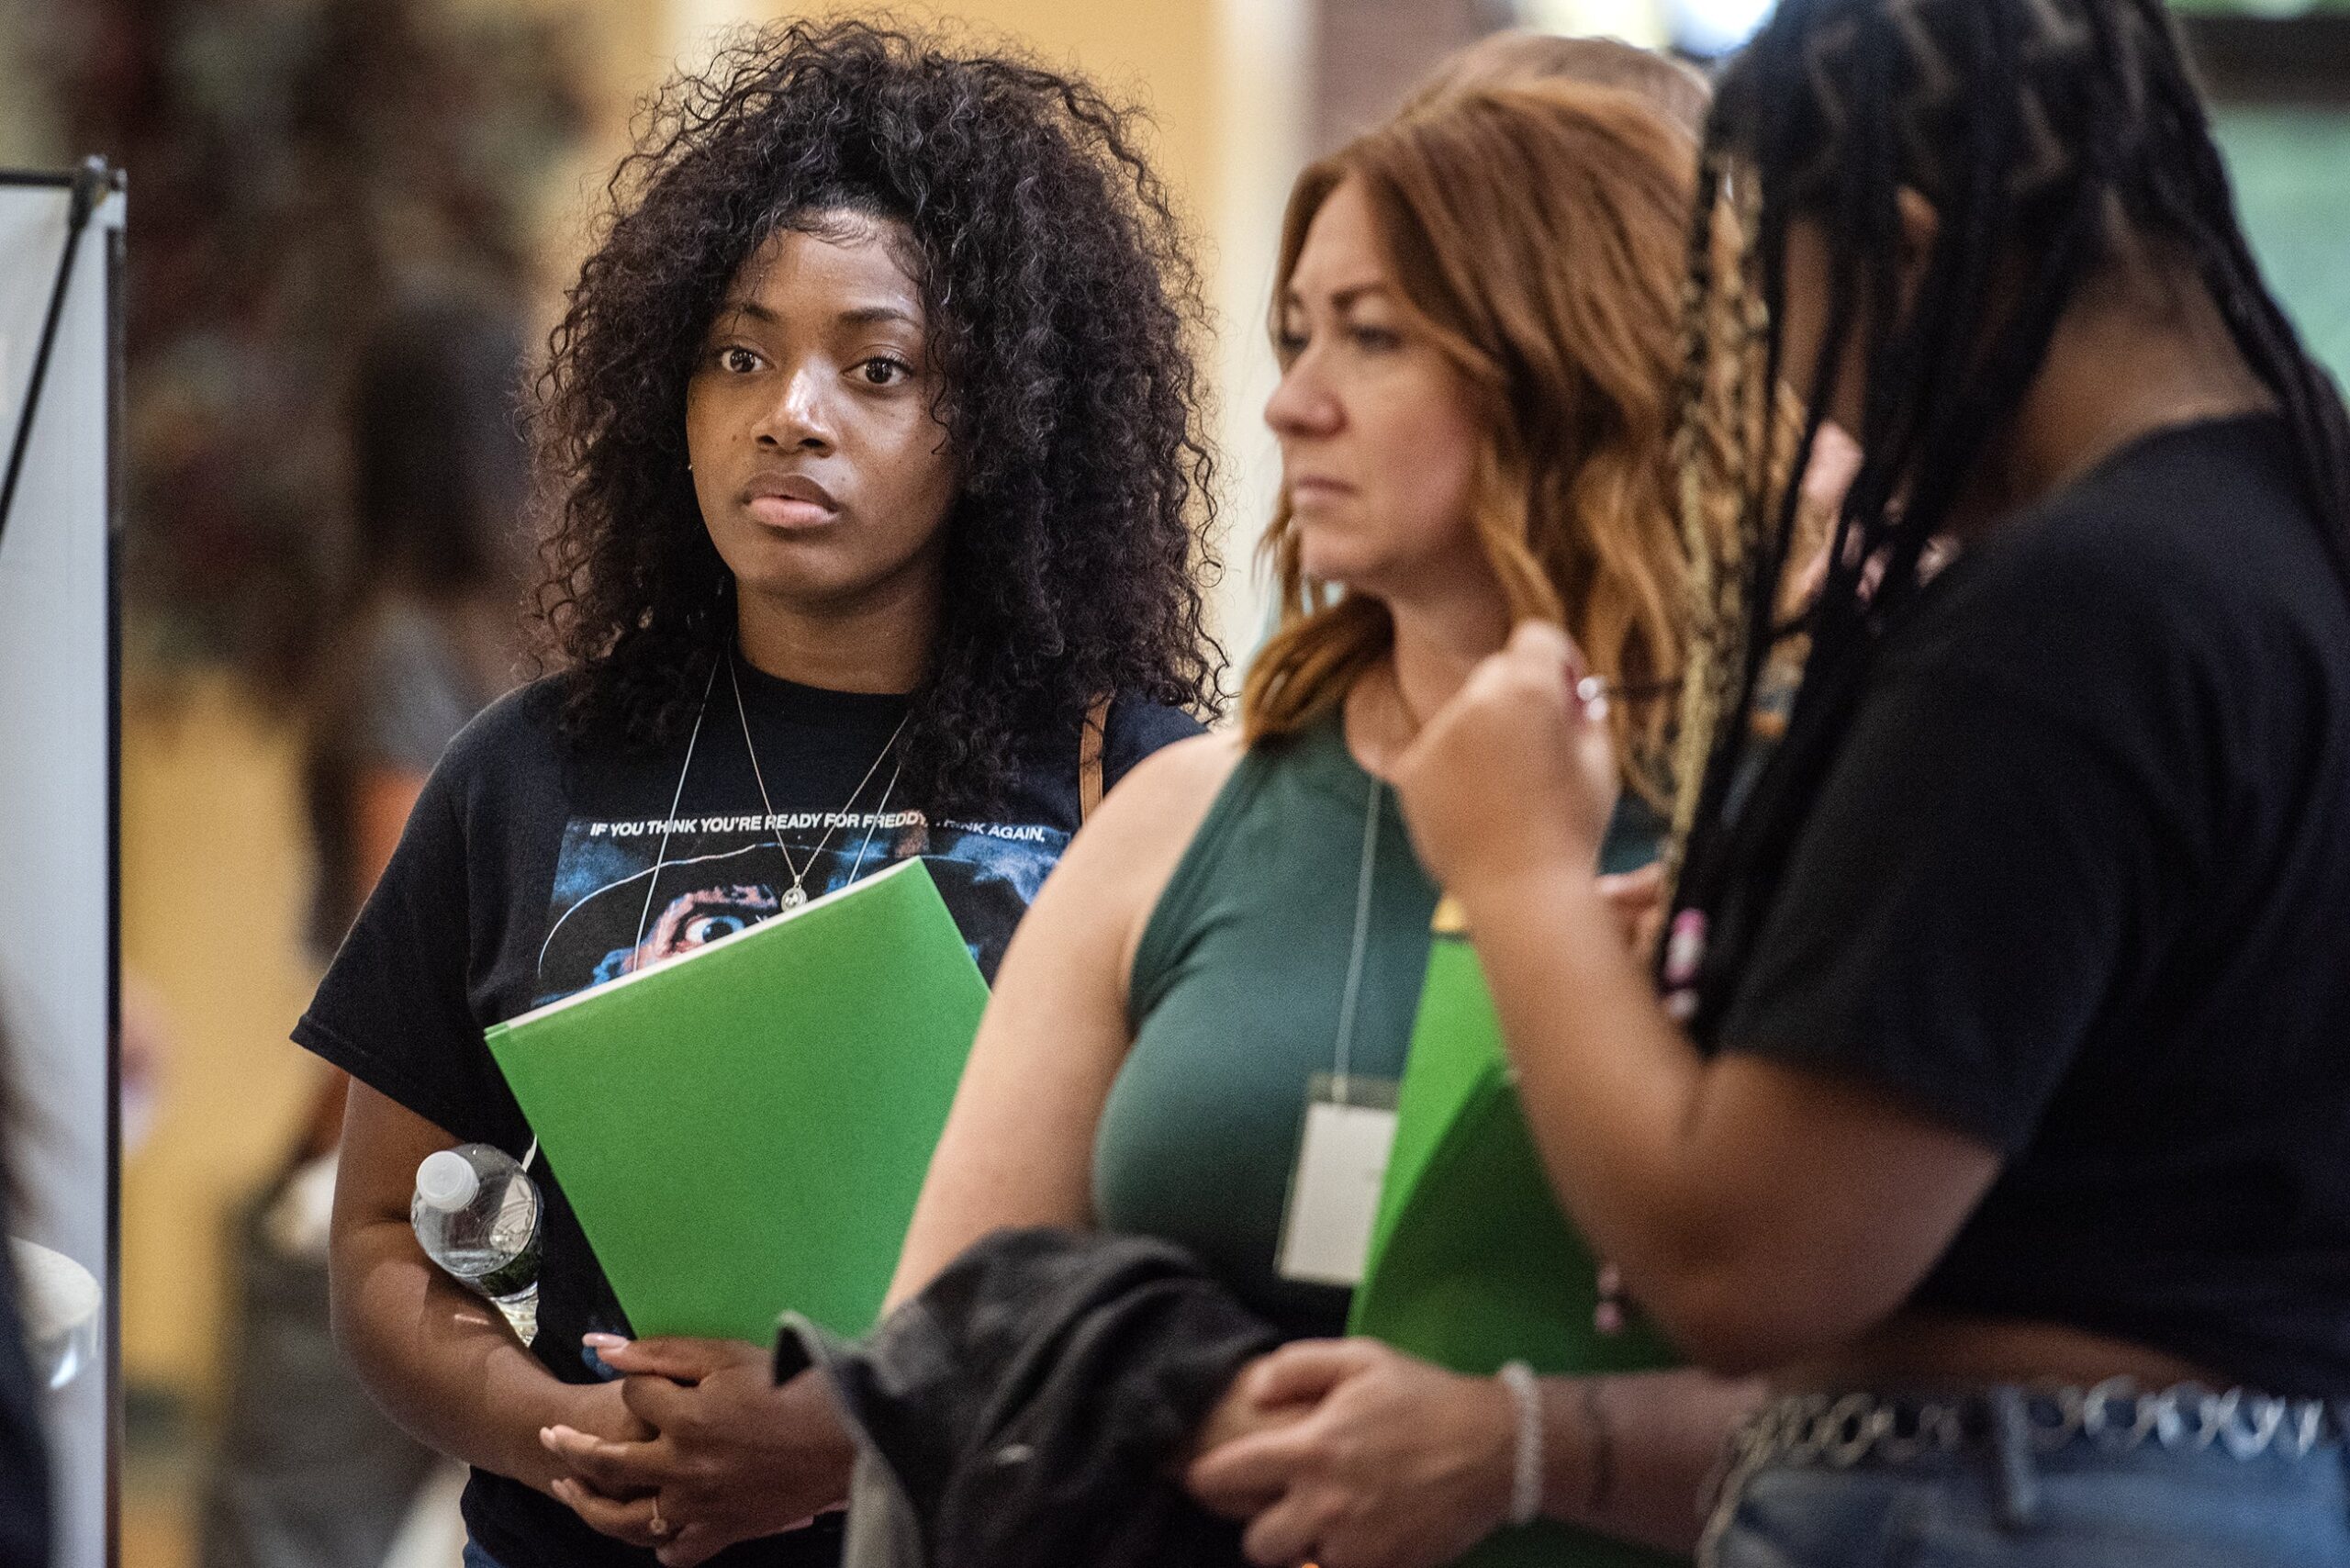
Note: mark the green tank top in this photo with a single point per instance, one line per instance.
(1234, 1007)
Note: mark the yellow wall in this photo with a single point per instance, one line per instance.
(213, 888)
(1160, 54)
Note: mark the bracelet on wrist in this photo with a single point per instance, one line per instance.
(1526, 1471)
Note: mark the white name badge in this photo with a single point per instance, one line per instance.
(1334, 1189)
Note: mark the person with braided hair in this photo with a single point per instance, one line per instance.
(1996, 1102)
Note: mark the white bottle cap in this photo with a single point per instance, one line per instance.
(447, 1182)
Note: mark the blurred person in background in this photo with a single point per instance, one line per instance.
(877, 498)
(308, 1472)
(433, 633)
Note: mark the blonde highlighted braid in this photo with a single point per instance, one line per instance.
(1733, 448)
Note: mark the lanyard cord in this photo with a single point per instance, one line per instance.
(1351, 998)
(661, 856)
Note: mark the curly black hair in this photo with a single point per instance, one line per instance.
(1063, 307)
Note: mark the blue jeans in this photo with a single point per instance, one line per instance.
(477, 1558)
(2079, 1507)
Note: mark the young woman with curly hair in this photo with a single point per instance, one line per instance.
(877, 500)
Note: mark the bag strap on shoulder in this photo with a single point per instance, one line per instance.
(1090, 739)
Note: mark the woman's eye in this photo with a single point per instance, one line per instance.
(736, 360)
(1375, 340)
(883, 371)
(1289, 345)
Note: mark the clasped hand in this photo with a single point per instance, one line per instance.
(721, 1454)
(1349, 1454)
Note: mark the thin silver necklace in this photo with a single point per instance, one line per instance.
(796, 894)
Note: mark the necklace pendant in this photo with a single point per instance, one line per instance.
(793, 897)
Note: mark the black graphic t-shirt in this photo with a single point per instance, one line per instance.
(532, 869)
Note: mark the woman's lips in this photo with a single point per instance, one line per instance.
(791, 513)
(789, 501)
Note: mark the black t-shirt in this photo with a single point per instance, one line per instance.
(2078, 885)
(522, 877)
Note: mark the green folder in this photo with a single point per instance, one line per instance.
(743, 1128)
(1471, 1263)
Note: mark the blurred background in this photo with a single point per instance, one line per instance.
(302, 171)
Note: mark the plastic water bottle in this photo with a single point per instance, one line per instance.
(476, 1216)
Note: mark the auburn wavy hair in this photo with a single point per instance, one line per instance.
(1538, 234)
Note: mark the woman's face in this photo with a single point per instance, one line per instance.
(1379, 446)
(822, 477)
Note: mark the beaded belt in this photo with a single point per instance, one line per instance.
(1854, 1429)
(2009, 1424)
